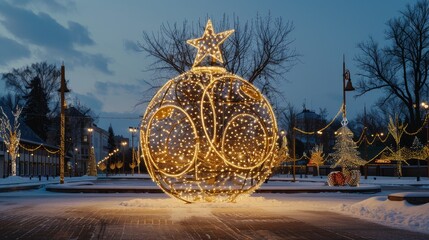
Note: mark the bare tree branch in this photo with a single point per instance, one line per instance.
(401, 68)
(259, 50)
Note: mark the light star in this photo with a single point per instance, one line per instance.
(209, 44)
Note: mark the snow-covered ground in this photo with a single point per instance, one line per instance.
(15, 180)
(376, 209)
(391, 213)
(372, 207)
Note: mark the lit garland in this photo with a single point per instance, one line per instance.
(322, 129)
(11, 135)
(209, 135)
(37, 148)
(363, 136)
(107, 158)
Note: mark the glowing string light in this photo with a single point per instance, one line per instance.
(207, 134)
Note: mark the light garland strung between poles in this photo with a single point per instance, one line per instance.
(37, 148)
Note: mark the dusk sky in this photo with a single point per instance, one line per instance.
(95, 41)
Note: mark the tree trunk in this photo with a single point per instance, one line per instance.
(13, 161)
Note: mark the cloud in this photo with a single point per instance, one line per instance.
(131, 46)
(114, 88)
(118, 97)
(57, 40)
(11, 50)
(87, 100)
(51, 5)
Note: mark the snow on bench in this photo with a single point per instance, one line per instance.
(415, 198)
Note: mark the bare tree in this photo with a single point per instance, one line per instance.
(11, 101)
(374, 122)
(19, 79)
(400, 69)
(259, 50)
(11, 134)
(287, 118)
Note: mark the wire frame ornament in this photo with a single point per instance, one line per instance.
(209, 135)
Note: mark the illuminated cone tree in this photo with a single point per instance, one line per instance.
(209, 135)
(346, 154)
(92, 165)
(11, 135)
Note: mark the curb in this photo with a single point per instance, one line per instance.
(19, 188)
(154, 189)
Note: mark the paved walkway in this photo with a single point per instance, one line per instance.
(97, 217)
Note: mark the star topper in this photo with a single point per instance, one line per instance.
(209, 43)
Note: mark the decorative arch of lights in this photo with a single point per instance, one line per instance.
(209, 135)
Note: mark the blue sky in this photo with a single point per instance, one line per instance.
(92, 38)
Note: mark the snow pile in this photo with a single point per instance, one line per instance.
(13, 180)
(391, 213)
(16, 180)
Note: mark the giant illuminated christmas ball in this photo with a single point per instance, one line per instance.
(209, 135)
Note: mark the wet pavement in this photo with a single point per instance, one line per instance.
(83, 216)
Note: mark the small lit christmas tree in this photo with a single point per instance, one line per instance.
(346, 155)
(132, 166)
(317, 157)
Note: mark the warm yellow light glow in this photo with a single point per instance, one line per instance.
(209, 135)
(209, 44)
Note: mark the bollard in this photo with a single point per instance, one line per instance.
(40, 178)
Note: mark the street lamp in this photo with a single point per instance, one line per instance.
(123, 143)
(88, 165)
(76, 151)
(425, 106)
(347, 87)
(133, 131)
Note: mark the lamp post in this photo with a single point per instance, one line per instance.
(123, 143)
(425, 106)
(294, 149)
(76, 151)
(89, 164)
(347, 87)
(133, 131)
(108, 163)
(63, 89)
